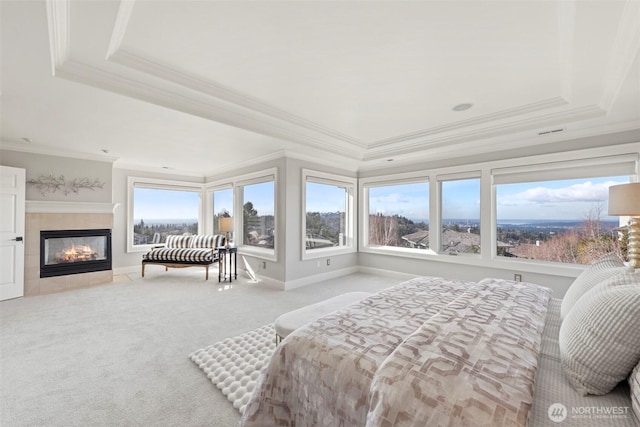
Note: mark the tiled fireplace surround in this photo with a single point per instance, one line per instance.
(61, 216)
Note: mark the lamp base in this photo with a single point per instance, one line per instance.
(634, 242)
(226, 240)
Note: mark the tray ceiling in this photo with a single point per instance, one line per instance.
(183, 84)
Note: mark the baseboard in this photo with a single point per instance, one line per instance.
(304, 281)
(389, 273)
(268, 282)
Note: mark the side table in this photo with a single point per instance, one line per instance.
(230, 253)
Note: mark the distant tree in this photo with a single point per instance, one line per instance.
(250, 220)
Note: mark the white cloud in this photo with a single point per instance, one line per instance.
(549, 197)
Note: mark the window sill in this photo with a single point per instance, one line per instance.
(266, 254)
(325, 252)
(515, 265)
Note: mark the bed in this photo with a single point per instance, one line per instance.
(430, 351)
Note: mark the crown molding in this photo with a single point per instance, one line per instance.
(623, 54)
(216, 90)
(452, 141)
(566, 26)
(625, 134)
(155, 169)
(50, 151)
(120, 26)
(545, 104)
(202, 106)
(58, 18)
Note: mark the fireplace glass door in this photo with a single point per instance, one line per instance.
(74, 251)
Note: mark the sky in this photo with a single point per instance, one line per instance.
(552, 200)
(151, 204)
(408, 200)
(565, 200)
(325, 198)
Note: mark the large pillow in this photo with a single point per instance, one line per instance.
(634, 385)
(600, 337)
(597, 272)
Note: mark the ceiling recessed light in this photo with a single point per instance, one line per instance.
(462, 107)
(25, 139)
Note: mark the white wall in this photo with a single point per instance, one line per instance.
(44, 165)
(298, 271)
(371, 262)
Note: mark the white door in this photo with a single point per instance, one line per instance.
(12, 194)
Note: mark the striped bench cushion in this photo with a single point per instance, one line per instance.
(204, 256)
(207, 241)
(178, 241)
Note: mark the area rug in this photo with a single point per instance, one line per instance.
(234, 364)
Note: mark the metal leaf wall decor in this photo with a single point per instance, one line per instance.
(51, 184)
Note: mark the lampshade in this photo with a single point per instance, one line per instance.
(225, 224)
(624, 200)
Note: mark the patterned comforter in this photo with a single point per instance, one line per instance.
(430, 351)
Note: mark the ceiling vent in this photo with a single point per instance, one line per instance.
(547, 132)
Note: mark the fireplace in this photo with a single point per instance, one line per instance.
(65, 252)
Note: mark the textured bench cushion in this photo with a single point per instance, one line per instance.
(292, 320)
(199, 256)
(178, 241)
(207, 241)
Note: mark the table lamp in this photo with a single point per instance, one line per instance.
(225, 224)
(624, 200)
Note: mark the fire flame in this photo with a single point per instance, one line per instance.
(78, 253)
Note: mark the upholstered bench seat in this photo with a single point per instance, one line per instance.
(186, 251)
(181, 254)
(289, 322)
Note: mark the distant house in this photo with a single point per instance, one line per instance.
(419, 239)
(453, 242)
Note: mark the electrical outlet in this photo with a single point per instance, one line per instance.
(264, 265)
(317, 264)
(328, 261)
(517, 277)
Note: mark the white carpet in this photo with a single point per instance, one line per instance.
(234, 364)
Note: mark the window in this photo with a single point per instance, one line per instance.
(222, 206)
(157, 210)
(328, 222)
(398, 215)
(258, 214)
(460, 216)
(563, 220)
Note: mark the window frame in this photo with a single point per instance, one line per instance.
(267, 253)
(351, 185)
(210, 210)
(237, 184)
(158, 184)
(488, 259)
(461, 176)
(576, 169)
(388, 180)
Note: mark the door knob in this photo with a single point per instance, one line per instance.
(18, 239)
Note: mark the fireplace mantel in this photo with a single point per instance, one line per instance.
(41, 206)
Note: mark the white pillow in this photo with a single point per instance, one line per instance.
(597, 272)
(600, 337)
(634, 385)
